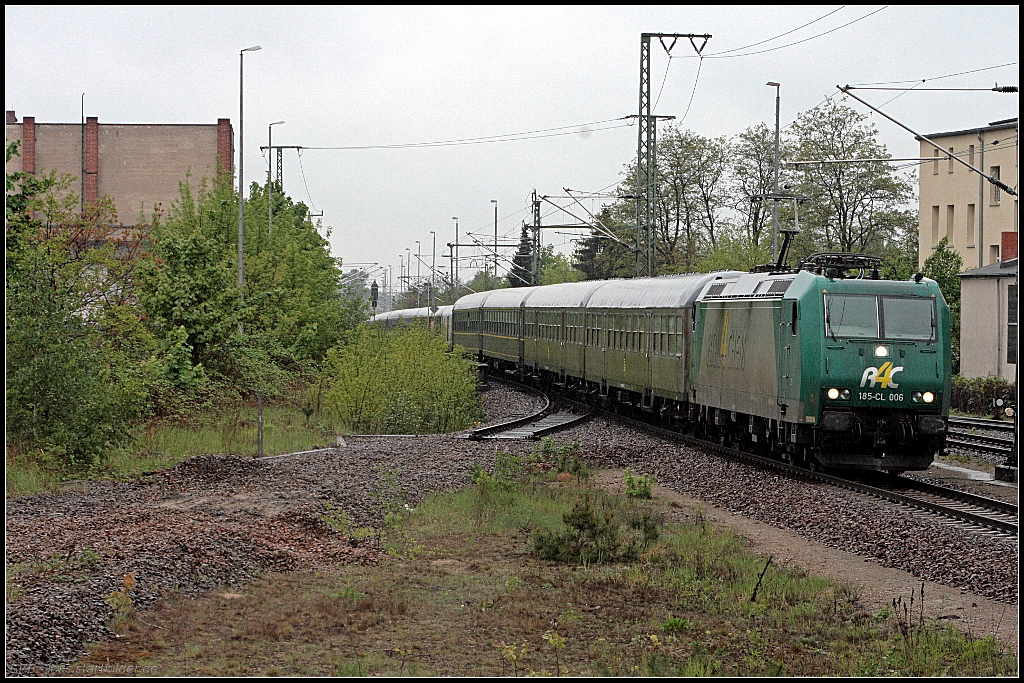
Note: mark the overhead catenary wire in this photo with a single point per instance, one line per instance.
(768, 40)
(939, 78)
(507, 137)
(303, 172)
(721, 55)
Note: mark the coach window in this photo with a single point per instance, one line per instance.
(793, 321)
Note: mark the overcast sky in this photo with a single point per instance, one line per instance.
(379, 75)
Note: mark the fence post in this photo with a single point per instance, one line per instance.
(259, 423)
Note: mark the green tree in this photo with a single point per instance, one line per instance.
(556, 268)
(521, 274)
(484, 281)
(189, 281)
(944, 266)
(68, 275)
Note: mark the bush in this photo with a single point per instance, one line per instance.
(402, 381)
(592, 536)
(974, 396)
(638, 486)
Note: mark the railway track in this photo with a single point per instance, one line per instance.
(991, 445)
(980, 423)
(540, 423)
(963, 507)
(973, 510)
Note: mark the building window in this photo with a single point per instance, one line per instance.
(935, 164)
(994, 172)
(970, 155)
(970, 225)
(950, 159)
(935, 225)
(949, 224)
(1011, 325)
(993, 253)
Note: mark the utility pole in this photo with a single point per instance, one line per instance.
(495, 202)
(535, 266)
(646, 151)
(433, 258)
(241, 180)
(270, 182)
(418, 280)
(775, 185)
(455, 258)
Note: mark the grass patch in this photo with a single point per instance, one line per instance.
(160, 445)
(464, 592)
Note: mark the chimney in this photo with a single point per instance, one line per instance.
(28, 145)
(225, 146)
(1008, 248)
(92, 159)
(11, 118)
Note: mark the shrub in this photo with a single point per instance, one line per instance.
(592, 536)
(974, 395)
(399, 381)
(638, 486)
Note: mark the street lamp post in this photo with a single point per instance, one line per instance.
(241, 181)
(775, 186)
(495, 202)
(270, 183)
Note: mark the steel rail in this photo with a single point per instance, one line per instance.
(480, 432)
(958, 444)
(962, 496)
(981, 438)
(800, 473)
(980, 423)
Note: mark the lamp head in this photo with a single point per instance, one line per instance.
(277, 123)
(252, 49)
(773, 84)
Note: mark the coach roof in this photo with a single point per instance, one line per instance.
(668, 291)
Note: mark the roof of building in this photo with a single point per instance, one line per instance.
(1007, 268)
(1005, 124)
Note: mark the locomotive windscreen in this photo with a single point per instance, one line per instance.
(908, 318)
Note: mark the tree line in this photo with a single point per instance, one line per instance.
(108, 326)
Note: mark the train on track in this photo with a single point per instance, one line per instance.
(826, 365)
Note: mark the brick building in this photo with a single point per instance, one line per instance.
(138, 164)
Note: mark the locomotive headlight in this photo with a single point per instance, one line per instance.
(844, 394)
(881, 351)
(833, 393)
(927, 397)
(915, 396)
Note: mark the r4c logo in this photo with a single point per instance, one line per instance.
(882, 375)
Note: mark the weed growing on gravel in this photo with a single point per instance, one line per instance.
(121, 602)
(638, 486)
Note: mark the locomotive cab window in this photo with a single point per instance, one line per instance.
(908, 318)
(850, 315)
(793, 321)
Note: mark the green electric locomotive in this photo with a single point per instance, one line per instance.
(820, 365)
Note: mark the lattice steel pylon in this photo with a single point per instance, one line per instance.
(646, 151)
(280, 169)
(535, 269)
